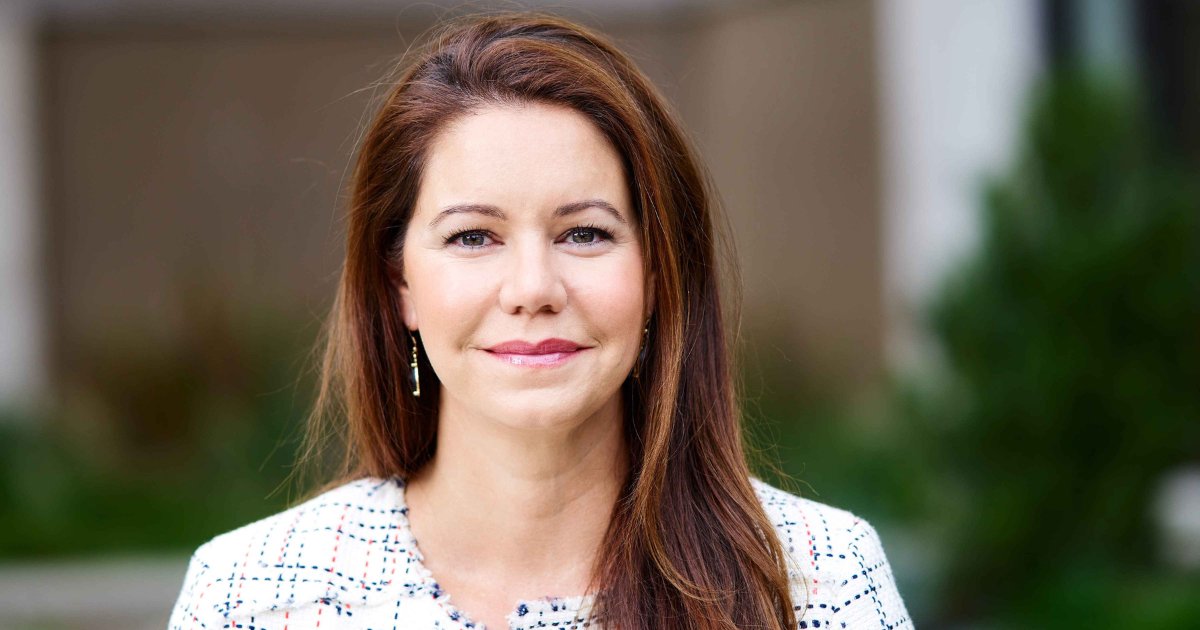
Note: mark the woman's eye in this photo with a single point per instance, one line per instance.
(586, 235)
(473, 239)
(583, 236)
(470, 239)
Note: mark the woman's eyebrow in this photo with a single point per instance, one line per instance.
(493, 211)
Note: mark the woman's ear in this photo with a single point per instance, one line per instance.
(408, 310)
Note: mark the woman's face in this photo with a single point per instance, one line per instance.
(523, 235)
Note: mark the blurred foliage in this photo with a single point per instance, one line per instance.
(1073, 345)
(158, 447)
(1068, 385)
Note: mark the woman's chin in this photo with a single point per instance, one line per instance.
(536, 420)
(532, 412)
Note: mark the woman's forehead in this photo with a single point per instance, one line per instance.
(519, 156)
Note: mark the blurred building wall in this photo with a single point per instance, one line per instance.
(785, 110)
(188, 167)
(954, 81)
(204, 161)
(22, 331)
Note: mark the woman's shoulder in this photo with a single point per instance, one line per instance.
(839, 571)
(371, 505)
(345, 547)
(786, 510)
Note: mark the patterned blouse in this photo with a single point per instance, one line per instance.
(347, 559)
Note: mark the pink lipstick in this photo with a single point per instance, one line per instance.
(545, 353)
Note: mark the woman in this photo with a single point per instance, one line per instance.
(528, 356)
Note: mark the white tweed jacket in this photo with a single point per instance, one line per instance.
(347, 559)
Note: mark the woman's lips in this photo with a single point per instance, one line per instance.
(545, 346)
(550, 359)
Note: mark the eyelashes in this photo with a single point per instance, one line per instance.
(599, 236)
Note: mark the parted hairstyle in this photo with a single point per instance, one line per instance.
(689, 545)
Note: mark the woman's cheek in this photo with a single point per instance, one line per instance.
(615, 305)
(460, 288)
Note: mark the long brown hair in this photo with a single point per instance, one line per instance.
(689, 545)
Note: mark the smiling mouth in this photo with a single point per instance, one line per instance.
(549, 359)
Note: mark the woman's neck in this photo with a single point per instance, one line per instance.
(526, 506)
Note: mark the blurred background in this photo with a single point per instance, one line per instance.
(969, 233)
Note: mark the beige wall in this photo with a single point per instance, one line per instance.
(182, 158)
(786, 117)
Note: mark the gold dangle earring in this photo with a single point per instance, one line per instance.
(415, 376)
(641, 352)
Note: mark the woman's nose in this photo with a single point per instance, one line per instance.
(532, 281)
